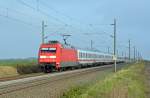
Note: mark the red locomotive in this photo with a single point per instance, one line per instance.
(54, 55)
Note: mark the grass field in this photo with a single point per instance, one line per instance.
(18, 62)
(8, 71)
(127, 83)
(13, 67)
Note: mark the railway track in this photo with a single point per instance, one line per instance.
(20, 77)
(24, 83)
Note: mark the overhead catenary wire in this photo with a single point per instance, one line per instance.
(65, 16)
(9, 13)
(43, 12)
(18, 20)
(40, 11)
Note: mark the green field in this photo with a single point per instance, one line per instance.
(18, 62)
(126, 83)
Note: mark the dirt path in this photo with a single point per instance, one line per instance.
(147, 73)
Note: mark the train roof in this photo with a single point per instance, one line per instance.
(93, 52)
(81, 50)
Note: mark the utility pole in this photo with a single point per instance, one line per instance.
(122, 54)
(125, 55)
(43, 32)
(115, 61)
(108, 49)
(129, 50)
(115, 57)
(134, 53)
(117, 53)
(138, 56)
(91, 44)
(37, 7)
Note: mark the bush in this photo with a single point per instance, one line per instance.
(24, 69)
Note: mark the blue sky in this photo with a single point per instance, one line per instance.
(20, 22)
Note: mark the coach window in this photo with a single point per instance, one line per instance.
(102, 56)
(84, 55)
(52, 50)
(99, 56)
(81, 55)
(92, 55)
(88, 56)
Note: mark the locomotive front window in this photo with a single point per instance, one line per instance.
(51, 50)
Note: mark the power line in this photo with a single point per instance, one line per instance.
(25, 4)
(62, 14)
(9, 16)
(17, 20)
(42, 12)
(45, 13)
(91, 26)
(58, 12)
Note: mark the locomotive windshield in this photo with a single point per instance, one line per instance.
(51, 50)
